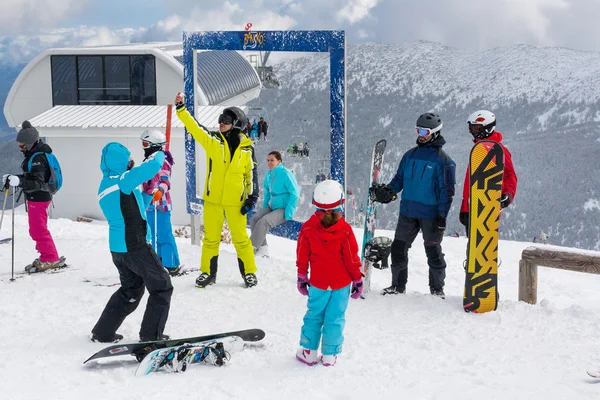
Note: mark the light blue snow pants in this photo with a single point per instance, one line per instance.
(167, 248)
(326, 315)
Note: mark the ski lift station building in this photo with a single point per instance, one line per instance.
(79, 99)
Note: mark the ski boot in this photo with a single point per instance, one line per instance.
(206, 279)
(328, 360)
(154, 339)
(438, 292)
(308, 357)
(250, 280)
(115, 338)
(40, 266)
(393, 290)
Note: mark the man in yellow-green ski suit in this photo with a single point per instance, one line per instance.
(230, 190)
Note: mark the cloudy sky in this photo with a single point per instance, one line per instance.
(26, 26)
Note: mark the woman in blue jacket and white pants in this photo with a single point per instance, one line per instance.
(279, 203)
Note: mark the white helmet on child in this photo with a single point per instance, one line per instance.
(329, 195)
(154, 137)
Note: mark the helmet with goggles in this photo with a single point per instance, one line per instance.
(429, 124)
(153, 138)
(234, 116)
(482, 124)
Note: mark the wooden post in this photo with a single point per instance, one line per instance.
(532, 257)
(527, 282)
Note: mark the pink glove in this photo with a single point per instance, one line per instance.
(357, 288)
(303, 284)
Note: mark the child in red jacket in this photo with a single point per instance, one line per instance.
(327, 244)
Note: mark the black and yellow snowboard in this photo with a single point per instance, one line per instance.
(486, 173)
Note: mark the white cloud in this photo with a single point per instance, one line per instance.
(356, 10)
(465, 24)
(228, 17)
(31, 15)
(23, 48)
(104, 37)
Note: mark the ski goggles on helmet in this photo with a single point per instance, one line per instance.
(476, 129)
(225, 119)
(427, 131)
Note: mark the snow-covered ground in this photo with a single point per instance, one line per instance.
(411, 346)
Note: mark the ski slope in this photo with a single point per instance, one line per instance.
(411, 346)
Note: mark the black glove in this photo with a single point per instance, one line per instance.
(463, 217)
(248, 205)
(440, 222)
(504, 200)
(382, 193)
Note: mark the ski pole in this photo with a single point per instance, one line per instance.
(12, 278)
(4, 207)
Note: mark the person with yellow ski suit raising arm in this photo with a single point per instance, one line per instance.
(230, 190)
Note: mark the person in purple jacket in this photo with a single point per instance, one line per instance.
(159, 209)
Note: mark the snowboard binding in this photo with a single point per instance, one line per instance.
(176, 361)
(214, 354)
(378, 251)
(179, 359)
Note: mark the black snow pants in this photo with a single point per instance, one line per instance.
(406, 232)
(138, 269)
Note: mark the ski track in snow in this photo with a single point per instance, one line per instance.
(411, 346)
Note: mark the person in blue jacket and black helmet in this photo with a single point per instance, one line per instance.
(124, 207)
(426, 178)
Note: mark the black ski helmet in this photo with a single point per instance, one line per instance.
(431, 121)
(240, 121)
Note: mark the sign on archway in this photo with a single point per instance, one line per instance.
(332, 42)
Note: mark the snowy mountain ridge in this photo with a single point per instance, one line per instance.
(546, 101)
(500, 77)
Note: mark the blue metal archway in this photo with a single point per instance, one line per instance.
(333, 42)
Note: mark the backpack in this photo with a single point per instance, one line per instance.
(55, 181)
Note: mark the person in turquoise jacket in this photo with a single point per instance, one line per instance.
(279, 204)
(124, 207)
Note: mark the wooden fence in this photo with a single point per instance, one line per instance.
(534, 257)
